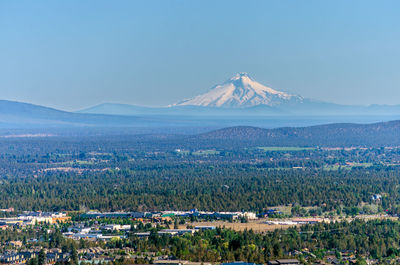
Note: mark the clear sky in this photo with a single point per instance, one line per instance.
(75, 54)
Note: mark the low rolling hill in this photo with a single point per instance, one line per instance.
(340, 134)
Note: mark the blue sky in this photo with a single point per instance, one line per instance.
(74, 54)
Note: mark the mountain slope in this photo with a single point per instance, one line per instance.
(240, 91)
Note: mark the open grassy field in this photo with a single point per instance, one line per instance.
(258, 226)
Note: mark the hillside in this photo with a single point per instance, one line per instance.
(23, 115)
(341, 134)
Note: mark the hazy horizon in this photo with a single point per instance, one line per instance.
(72, 55)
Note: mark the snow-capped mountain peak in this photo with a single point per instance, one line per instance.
(240, 91)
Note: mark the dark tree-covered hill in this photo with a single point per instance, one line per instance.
(342, 134)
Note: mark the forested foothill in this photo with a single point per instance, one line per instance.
(118, 170)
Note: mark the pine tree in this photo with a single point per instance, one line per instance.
(74, 255)
(42, 257)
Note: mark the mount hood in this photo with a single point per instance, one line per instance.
(241, 91)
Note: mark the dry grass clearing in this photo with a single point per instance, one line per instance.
(258, 226)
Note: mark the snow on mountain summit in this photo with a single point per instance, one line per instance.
(240, 91)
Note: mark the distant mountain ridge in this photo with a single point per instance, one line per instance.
(241, 95)
(239, 101)
(22, 115)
